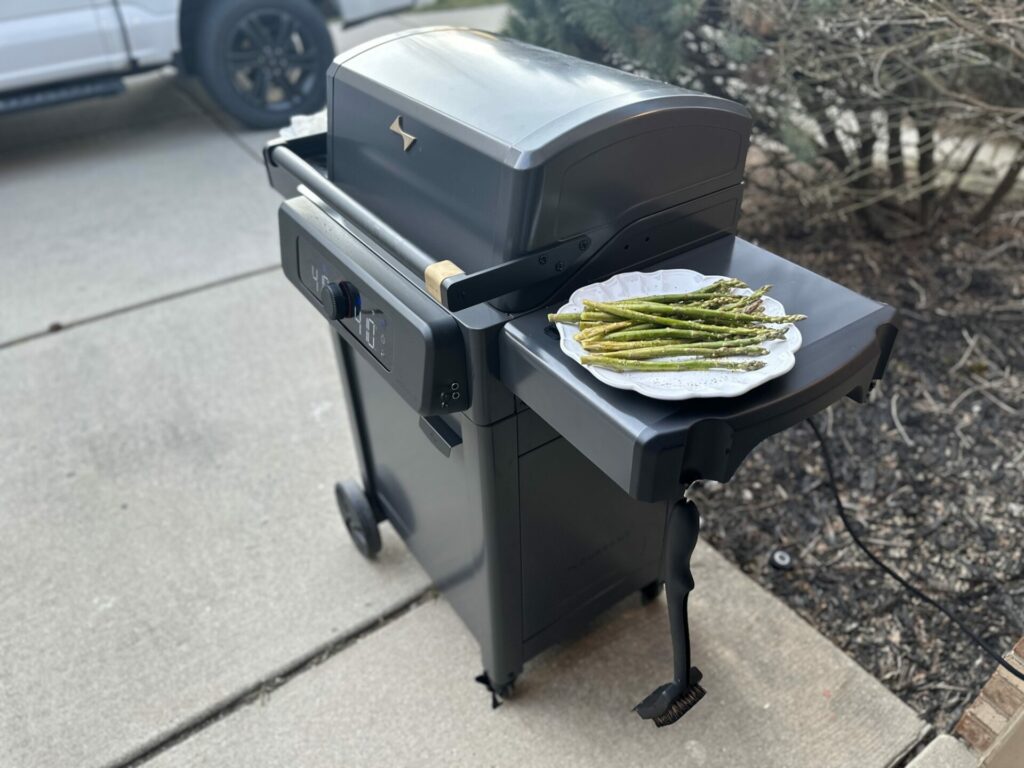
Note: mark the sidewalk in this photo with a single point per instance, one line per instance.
(176, 585)
(778, 695)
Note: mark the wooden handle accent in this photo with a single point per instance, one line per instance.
(436, 274)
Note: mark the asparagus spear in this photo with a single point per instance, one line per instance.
(639, 327)
(726, 284)
(564, 317)
(744, 341)
(601, 345)
(648, 353)
(696, 313)
(701, 294)
(576, 317)
(602, 329)
(614, 346)
(643, 317)
(749, 303)
(603, 361)
(708, 300)
(636, 333)
(665, 308)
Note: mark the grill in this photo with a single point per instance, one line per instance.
(465, 186)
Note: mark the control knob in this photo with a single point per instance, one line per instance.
(340, 300)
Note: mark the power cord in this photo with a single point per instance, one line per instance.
(826, 456)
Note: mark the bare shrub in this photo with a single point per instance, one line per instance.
(878, 109)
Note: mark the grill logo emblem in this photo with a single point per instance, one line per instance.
(407, 138)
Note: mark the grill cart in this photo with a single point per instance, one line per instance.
(465, 186)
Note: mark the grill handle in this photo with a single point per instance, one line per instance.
(288, 166)
(404, 250)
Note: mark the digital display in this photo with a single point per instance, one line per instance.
(370, 326)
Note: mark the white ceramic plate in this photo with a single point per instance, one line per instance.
(678, 385)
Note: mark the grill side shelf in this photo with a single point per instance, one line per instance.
(652, 448)
(717, 442)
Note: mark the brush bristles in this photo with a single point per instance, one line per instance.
(680, 706)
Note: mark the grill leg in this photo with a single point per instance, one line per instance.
(498, 692)
(671, 701)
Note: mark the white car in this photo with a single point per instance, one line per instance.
(262, 60)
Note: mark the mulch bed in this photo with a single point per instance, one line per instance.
(932, 468)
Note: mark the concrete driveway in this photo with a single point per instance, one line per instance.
(175, 584)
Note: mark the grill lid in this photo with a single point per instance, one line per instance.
(481, 149)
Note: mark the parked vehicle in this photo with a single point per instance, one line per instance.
(262, 60)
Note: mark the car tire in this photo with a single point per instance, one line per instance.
(264, 60)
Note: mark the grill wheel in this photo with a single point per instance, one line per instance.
(357, 514)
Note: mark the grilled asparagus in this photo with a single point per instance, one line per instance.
(706, 325)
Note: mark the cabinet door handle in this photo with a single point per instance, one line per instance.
(440, 434)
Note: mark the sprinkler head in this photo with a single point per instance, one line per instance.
(781, 560)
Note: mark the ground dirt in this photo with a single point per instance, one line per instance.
(932, 468)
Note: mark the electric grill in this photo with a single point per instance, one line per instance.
(465, 186)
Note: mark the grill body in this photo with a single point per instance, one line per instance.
(533, 495)
(525, 537)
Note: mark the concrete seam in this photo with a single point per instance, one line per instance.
(927, 736)
(218, 120)
(262, 688)
(127, 308)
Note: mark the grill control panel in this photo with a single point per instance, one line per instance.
(415, 342)
(341, 299)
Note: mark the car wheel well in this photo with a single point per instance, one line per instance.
(191, 13)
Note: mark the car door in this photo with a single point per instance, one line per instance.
(152, 27)
(45, 42)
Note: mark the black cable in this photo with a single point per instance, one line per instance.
(826, 456)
